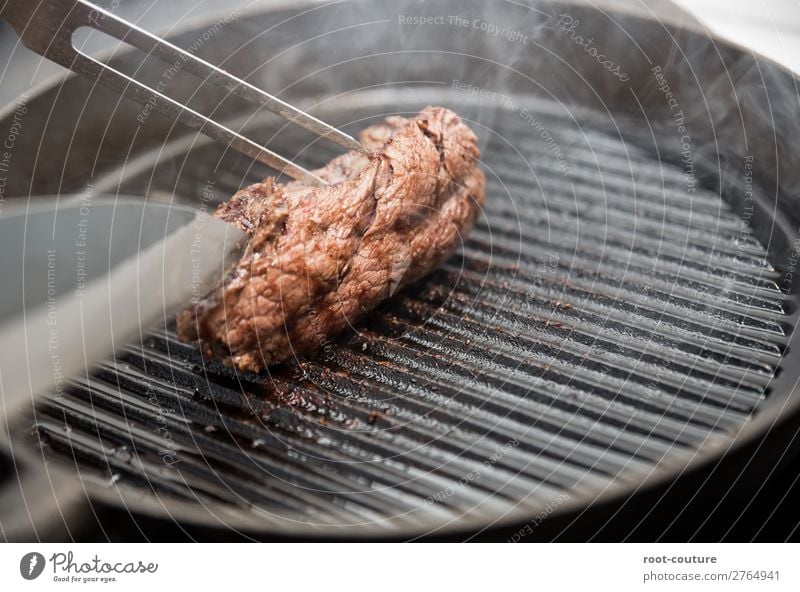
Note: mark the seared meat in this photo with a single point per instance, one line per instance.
(320, 257)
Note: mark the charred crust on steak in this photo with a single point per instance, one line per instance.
(320, 257)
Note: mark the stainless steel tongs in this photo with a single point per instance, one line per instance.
(47, 27)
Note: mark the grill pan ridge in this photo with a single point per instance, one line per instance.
(593, 326)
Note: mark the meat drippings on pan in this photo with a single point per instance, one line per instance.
(321, 257)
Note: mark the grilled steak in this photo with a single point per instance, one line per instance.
(320, 257)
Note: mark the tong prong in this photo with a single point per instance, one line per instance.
(135, 90)
(47, 29)
(171, 54)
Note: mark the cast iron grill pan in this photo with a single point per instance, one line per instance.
(600, 323)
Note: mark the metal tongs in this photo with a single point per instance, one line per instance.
(95, 271)
(47, 27)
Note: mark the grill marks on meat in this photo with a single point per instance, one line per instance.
(321, 257)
